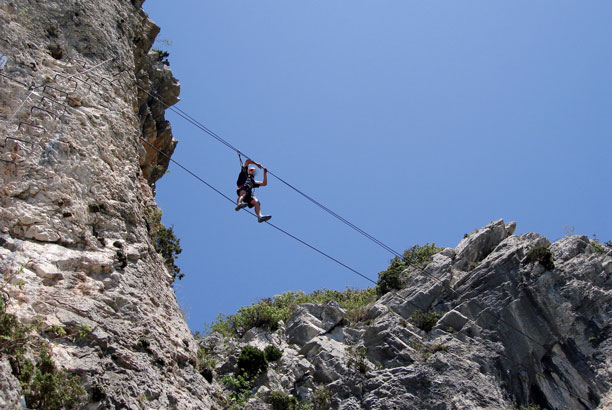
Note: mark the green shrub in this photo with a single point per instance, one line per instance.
(420, 255)
(51, 388)
(598, 246)
(349, 299)
(391, 278)
(322, 398)
(43, 385)
(272, 353)
(14, 335)
(164, 240)
(424, 321)
(542, 255)
(282, 401)
(162, 56)
(260, 315)
(357, 359)
(241, 386)
(252, 361)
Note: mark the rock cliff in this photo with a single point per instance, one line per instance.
(76, 182)
(518, 321)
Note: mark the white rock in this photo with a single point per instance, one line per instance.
(451, 320)
(479, 244)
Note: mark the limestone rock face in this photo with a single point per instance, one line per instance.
(511, 333)
(311, 320)
(75, 181)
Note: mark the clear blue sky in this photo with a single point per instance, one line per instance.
(417, 121)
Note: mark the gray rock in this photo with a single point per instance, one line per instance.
(452, 320)
(302, 327)
(387, 341)
(212, 342)
(448, 252)
(569, 247)
(10, 388)
(510, 228)
(377, 310)
(479, 244)
(328, 358)
(309, 321)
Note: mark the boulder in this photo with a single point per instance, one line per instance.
(387, 341)
(476, 246)
(452, 320)
(328, 357)
(302, 327)
(569, 247)
(10, 388)
(377, 310)
(311, 320)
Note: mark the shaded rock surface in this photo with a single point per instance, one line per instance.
(511, 333)
(75, 181)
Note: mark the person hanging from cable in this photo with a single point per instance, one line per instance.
(246, 183)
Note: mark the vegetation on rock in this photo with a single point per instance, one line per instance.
(205, 363)
(417, 256)
(424, 321)
(391, 278)
(272, 353)
(240, 386)
(350, 355)
(281, 401)
(162, 56)
(357, 358)
(267, 313)
(600, 247)
(542, 255)
(252, 361)
(44, 386)
(164, 240)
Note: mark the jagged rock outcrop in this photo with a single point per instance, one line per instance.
(76, 180)
(513, 331)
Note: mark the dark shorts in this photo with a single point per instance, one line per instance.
(248, 198)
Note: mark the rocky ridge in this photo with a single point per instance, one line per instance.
(76, 182)
(512, 332)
